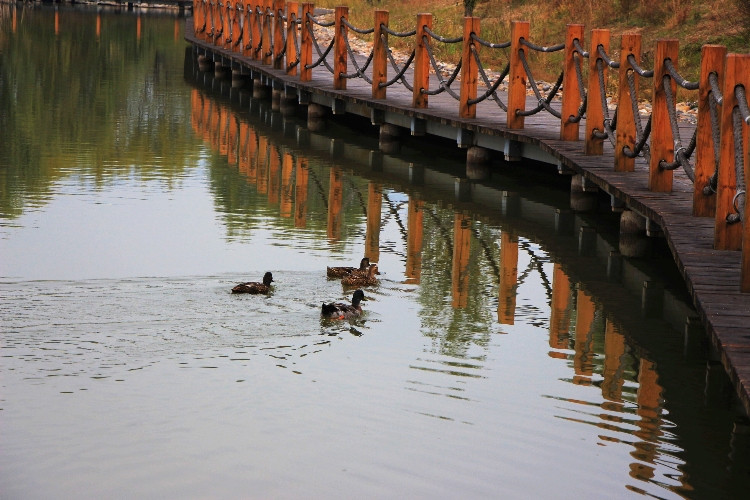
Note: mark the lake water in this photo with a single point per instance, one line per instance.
(508, 350)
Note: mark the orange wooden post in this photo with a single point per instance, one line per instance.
(517, 75)
(559, 322)
(227, 29)
(237, 26)
(278, 34)
(626, 131)
(712, 61)
(662, 141)
(292, 14)
(460, 267)
(335, 202)
(729, 236)
(469, 69)
(414, 237)
(215, 21)
(305, 57)
(421, 61)
(247, 34)
(255, 28)
(571, 99)
(285, 207)
(197, 18)
(594, 109)
(506, 300)
(374, 207)
(380, 54)
(301, 175)
(339, 49)
(265, 19)
(583, 359)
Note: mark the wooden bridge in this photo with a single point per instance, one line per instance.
(691, 193)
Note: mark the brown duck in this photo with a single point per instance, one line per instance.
(255, 287)
(337, 310)
(360, 279)
(340, 272)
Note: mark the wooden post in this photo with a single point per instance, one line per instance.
(662, 141)
(227, 30)
(712, 61)
(626, 131)
(743, 70)
(421, 62)
(265, 19)
(255, 27)
(517, 75)
(374, 207)
(305, 57)
(236, 27)
(198, 19)
(380, 55)
(292, 13)
(594, 111)
(247, 34)
(571, 99)
(414, 235)
(469, 70)
(339, 49)
(729, 236)
(215, 20)
(278, 34)
(460, 268)
(506, 300)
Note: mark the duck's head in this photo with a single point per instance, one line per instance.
(267, 279)
(358, 296)
(364, 263)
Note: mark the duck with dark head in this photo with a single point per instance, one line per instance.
(255, 287)
(340, 272)
(338, 310)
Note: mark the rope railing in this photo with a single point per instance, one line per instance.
(285, 35)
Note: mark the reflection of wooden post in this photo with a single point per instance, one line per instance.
(232, 140)
(506, 301)
(57, 24)
(372, 237)
(300, 193)
(559, 322)
(196, 109)
(208, 116)
(98, 25)
(261, 173)
(335, 202)
(274, 164)
(414, 231)
(614, 349)
(252, 155)
(461, 251)
(137, 27)
(649, 403)
(215, 131)
(244, 157)
(582, 364)
(286, 185)
(223, 130)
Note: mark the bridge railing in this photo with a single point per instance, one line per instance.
(716, 158)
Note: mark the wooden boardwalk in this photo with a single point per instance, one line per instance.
(712, 277)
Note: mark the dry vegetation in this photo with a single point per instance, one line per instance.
(692, 22)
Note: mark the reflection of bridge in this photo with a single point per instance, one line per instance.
(589, 315)
(691, 192)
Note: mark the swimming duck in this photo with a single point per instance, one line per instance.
(340, 272)
(338, 310)
(360, 279)
(254, 287)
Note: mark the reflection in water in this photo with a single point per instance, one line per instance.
(497, 355)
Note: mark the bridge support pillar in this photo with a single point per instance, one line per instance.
(238, 79)
(478, 161)
(288, 105)
(221, 72)
(205, 64)
(389, 141)
(260, 90)
(582, 194)
(276, 99)
(633, 240)
(316, 117)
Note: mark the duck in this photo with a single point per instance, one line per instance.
(360, 279)
(337, 310)
(340, 272)
(255, 287)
